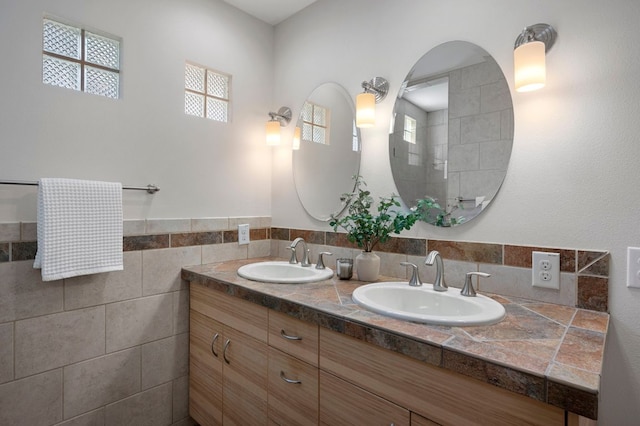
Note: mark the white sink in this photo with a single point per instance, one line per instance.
(283, 272)
(423, 304)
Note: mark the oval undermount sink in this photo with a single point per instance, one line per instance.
(283, 272)
(423, 304)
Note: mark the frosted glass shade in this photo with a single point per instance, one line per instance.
(529, 66)
(295, 145)
(365, 110)
(273, 133)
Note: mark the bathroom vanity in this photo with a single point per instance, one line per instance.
(284, 354)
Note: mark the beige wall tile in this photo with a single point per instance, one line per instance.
(134, 227)
(6, 352)
(150, 408)
(33, 401)
(223, 252)
(253, 221)
(180, 398)
(165, 360)
(260, 248)
(181, 311)
(24, 295)
(210, 224)
(163, 226)
(92, 418)
(29, 231)
(100, 381)
(10, 231)
(138, 321)
(55, 340)
(96, 289)
(162, 268)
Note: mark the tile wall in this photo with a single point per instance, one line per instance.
(107, 349)
(112, 349)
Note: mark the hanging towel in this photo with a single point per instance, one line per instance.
(79, 228)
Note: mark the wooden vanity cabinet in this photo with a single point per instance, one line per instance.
(437, 394)
(227, 360)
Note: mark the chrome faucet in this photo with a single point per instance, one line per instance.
(439, 283)
(305, 255)
(415, 280)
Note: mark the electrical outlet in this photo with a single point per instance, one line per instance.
(243, 234)
(633, 267)
(545, 270)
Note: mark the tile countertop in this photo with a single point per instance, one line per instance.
(551, 353)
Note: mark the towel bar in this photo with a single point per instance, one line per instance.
(151, 189)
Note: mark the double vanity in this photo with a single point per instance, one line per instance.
(277, 353)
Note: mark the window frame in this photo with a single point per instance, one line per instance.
(205, 93)
(313, 123)
(83, 62)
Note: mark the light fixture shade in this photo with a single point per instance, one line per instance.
(365, 110)
(295, 145)
(529, 66)
(273, 133)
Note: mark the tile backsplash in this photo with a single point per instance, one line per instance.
(67, 337)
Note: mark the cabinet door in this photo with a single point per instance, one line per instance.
(293, 390)
(244, 379)
(205, 370)
(342, 403)
(418, 420)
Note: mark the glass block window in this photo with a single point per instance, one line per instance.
(206, 93)
(410, 128)
(315, 123)
(81, 60)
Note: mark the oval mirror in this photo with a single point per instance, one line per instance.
(328, 152)
(451, 133)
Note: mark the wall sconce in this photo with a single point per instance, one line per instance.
(529, 56)
(375, 90)
(277, 120)
(295, 145)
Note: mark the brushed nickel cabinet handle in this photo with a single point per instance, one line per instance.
(295, 382)
(224, 351)
(286, 336)
(213, 343)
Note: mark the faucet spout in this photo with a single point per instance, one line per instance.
(434, 257)
(305, 256)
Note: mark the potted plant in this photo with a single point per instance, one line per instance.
(367, 229)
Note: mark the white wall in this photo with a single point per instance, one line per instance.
(573, 176)
(204, 168)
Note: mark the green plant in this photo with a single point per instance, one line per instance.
(428, 210)
(365, 228)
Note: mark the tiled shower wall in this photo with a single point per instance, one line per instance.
(107, 349)
(112, 349)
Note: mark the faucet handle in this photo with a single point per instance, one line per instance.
(293, 259)
(320, 263)
(468, 290)
(415, 280)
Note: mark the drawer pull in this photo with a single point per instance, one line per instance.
(295, 382)
(213, 343)
(224, 351)
(286, 336)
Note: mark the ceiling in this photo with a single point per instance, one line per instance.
(270, 11)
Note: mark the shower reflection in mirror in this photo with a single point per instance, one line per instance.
(451, 133)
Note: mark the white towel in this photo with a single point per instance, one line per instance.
(79, 228)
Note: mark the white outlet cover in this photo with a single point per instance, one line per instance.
(541, 274)
(633, 267)
(243, 234)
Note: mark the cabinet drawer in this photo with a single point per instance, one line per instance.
(239, 314)
(292, 403)
(441, 395)
(293, 336)
(342, 403)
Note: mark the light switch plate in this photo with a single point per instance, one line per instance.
(243, 234)
(633, 267)
(545, 270)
